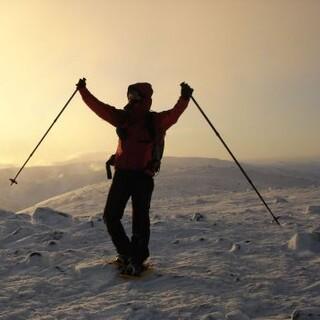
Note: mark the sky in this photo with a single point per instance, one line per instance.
(254, 66)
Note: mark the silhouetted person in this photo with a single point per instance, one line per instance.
(141, 138)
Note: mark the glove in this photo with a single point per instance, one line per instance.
(186, 90)
(81, 83)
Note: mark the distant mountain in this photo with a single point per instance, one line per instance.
(309, 169)
(39, 183)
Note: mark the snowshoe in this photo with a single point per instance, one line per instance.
(133, 269)
(121, 261)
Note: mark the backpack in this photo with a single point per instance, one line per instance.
(158, 144)
(153, 167)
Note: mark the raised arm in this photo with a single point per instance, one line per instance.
(108, 113)
(170, 117)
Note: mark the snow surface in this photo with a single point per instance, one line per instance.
(216, 255)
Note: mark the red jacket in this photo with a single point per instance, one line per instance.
(134, 152)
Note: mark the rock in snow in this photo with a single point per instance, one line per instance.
(36, 258)
(313, 210)
(304, 241)
(197, 217)
(235, 247)
(279, 200)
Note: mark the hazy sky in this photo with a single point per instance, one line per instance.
(254, 65)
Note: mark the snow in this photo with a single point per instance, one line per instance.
(306, 314)
(50, 217)
(313, 209)
(237, 315)
(214, 255)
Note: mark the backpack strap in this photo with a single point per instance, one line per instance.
(110, 163)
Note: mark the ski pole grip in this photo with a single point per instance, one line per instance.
(186, 90)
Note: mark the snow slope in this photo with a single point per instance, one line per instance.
(215, 256)
(39, 183)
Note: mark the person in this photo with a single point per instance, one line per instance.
(134, 165)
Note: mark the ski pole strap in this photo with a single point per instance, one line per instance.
(110, 163)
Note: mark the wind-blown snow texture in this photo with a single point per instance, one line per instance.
(215, 256)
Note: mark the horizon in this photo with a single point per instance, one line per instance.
(253, 65)
(98, 157)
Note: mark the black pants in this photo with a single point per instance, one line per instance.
(139, 187)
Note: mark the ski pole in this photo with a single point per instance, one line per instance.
(14, 180)
(236, 161)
